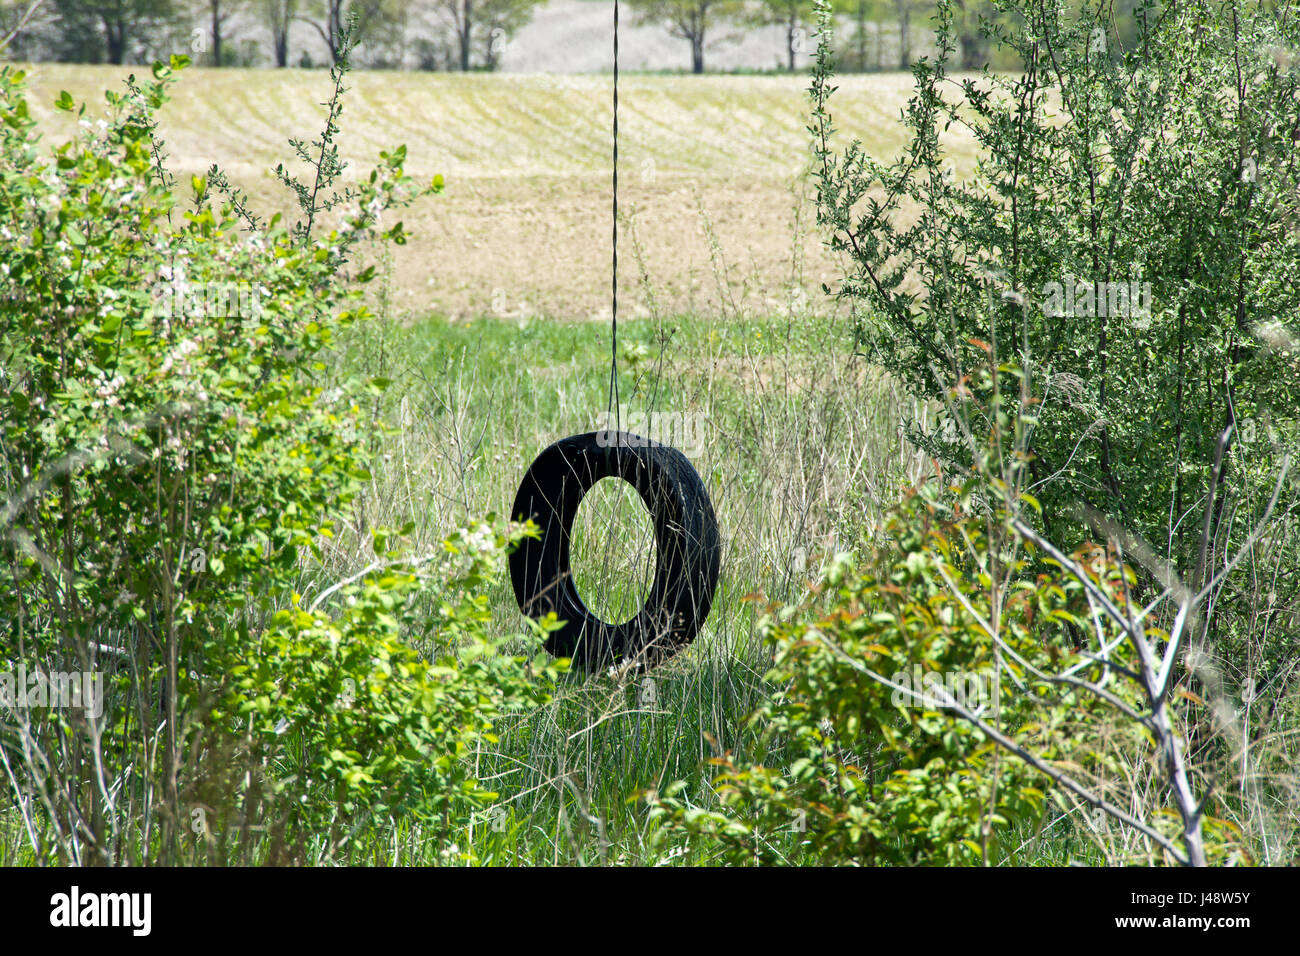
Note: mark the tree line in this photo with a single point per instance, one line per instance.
(442, 34)
(469, 34)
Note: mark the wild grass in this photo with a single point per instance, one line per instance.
(801, 453)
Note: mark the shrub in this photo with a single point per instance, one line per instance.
(874, 774)
(1127, 233)
(930, 693)
(342, 725)
(1126, 239)
(172, 470)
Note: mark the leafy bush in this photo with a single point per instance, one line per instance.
(1126, 239)
(353, 725)
(931, 693)
(172, 470)
(889, 760)
(1127, 233)
(876, 775)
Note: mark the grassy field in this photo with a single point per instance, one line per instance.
(800, 453)
(801, 457)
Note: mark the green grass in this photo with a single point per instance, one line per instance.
(797, 429)
(802, 456)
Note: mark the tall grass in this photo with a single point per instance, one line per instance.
(801, 454)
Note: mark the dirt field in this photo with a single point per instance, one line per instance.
(524, 226)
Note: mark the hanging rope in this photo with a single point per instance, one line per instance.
(613, 338)
(687, 544)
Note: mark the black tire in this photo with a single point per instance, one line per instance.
(688, 549)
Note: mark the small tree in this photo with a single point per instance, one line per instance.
(795, 16)
(936, 690)
(91, 31)
(483, 26)
(329, 18)
(690, 20)
(218, 14)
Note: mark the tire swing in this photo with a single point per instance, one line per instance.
(687, 544)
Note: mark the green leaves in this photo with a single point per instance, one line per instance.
(360, 713)
(876, 776)
(165, 442)
(1167, 183)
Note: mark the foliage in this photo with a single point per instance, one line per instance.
(115, 31)
(871, 775)
(1170, 164)
(172, 466)
(1127, 237)
(355, 724)
(934, 693)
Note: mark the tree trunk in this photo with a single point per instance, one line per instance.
(697, 52)
(969, 38)
(904, 45)
(280, 15)
(216, 32)
(466, 35)
(862, 35)
(792, 30)
(336, 29)
(115, 40)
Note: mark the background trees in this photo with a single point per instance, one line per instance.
(481, 27)
(427, 34)
(111, 31)
(691, 20)
(457, 34)
(329, 17)
(279, 16)
(864, 48)
(220, 20)
(795, 16)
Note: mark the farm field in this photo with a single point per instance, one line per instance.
(523, 228)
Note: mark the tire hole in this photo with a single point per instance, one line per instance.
(612, 551)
